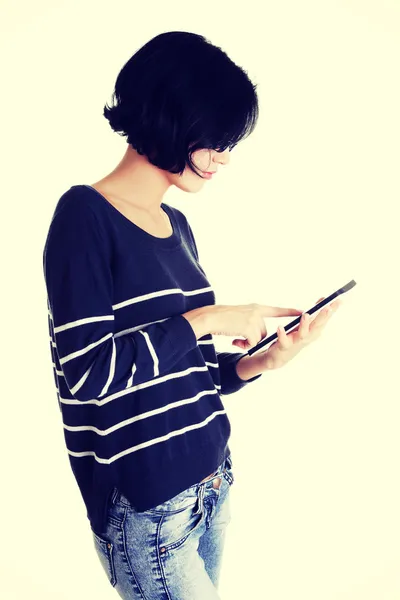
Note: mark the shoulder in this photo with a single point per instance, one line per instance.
(78, 200)
(78, 219)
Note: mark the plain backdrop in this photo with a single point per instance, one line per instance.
(308, 202)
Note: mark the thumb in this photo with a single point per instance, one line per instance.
(243, 344)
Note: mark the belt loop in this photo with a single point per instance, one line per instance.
(114, 495)
(200, 499)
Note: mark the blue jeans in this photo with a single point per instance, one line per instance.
(172, 551)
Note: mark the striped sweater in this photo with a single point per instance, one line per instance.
(139, 395)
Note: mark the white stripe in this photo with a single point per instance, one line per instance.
(84, 350)
(111, 371)
(53, 343)
(83, 322)
(152, 352)
(143, 325)
(139, 386)
(128, 302)
(145, 415)
(58, 372)
(163, 438)
(158, 294)
(81, 381)
(133, 329)
(130, 380)
(138, 327)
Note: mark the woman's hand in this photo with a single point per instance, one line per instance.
(246, 320)
(288, 345)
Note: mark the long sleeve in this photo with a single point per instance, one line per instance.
(94, 359)
(230, 380)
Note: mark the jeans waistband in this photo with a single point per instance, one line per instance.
(227, 462)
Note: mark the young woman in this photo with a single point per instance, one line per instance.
(131, 318)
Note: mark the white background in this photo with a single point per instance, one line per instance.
(307, 203)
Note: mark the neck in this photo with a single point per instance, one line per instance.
(136, 182)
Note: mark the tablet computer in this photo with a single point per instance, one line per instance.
(296, 321)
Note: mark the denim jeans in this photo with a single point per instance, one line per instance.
(172, 551)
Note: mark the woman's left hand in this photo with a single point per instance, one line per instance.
(288, 345)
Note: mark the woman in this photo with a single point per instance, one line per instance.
(131, 318)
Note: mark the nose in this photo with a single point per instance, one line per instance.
(222, 157)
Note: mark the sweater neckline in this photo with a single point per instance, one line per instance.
(168, 243)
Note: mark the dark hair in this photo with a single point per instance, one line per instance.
(179, 93)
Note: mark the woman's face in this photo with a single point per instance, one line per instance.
(205, 160)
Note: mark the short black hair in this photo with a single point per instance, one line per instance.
(179, 93)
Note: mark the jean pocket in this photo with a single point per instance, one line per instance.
(182, 501)
(177, 527)
(105, 549)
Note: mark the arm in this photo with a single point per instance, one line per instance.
(233, 377)
(78, 276)
(248, 368)
(236, 369)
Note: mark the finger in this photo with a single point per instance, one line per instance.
(334, 305)
(263, 330)
(283, 338)
(324, 311)
(254, 338)
(304, 327)
(319, 300)
(323, 316)
(278, 311)
(243, 344)
(256, 335)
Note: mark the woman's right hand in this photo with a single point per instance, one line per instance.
(246, 320)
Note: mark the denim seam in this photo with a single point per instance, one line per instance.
(127, 556)
(160, 562)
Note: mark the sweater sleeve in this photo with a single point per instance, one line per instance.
(94, 359)
(230, 380)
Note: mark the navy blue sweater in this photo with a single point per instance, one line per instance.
(139, 395)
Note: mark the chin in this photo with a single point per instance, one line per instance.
(191, 185)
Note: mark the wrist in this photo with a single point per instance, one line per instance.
(249, 367)
(199, 319)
